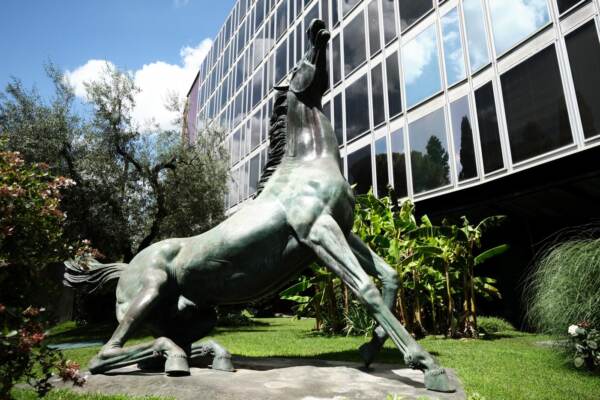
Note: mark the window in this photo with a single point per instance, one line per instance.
(281, 19)
(377, 95)
(584, 54)
(254, 173)
(336, 55)
(453, 52)
(354, 44)
(462, 135)
(257, 87)
(357, 108)
(359, 170)
(335, 15)
(260, 12)
(348, 5)
(476, 44)
(566, 5)
(325, 11)
(374, 37)
(412, 10)
(280, 62)
(488, 128)
(393, 85)
(337, 119)
(381, 166)
(536, 112)
(235, 147)
(313, 13)
(399, 163)
(255, 130)
(389, 21)
(421, 67)
(429, 152)
(515, 23)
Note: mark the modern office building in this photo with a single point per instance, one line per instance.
(465, 106)
(431, 97)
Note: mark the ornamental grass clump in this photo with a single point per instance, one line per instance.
(565, 285)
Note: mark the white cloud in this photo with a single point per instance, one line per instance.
(155, 81)
(514, 20)
(418, 54)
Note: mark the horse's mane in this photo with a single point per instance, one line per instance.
(277, 138)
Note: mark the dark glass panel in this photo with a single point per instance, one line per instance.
(389, 21)
(584, 53)
(327, 110)
(377, 95)
(255, 130)
(462, 134)
(336, 53)
(335, 14)
(313, 13)
(565, 5)
(337, 119)
(298, 43)
(536, 111)
(381, 166)
(399, 163)
(374, 36)
(360, 171)
(257, 87)
(325, 11)
(357, 108)
(280, 61)
(429, 157)
(491, 150)
(281, 19)
(290, 41)
(412, 10)
(348, 5)
(254, 173)
(260, 13)
(235, 147)
(393, 85)
(354, 44)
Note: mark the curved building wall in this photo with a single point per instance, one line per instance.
(427, 96)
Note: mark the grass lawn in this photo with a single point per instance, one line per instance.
(508, 367)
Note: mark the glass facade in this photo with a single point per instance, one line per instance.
(427, 96)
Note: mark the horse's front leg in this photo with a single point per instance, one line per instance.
(329, 243)
(375, 266)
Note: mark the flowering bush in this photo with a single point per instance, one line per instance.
(25, 356)
(585, 341)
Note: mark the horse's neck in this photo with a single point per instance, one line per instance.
(309, 133)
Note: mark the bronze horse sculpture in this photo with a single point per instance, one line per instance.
(303, 212)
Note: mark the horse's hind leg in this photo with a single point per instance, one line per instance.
(329, 243)
(112, 355)
(375, 266)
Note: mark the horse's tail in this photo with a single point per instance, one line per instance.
(92, 275)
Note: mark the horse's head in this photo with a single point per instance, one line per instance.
(310, 77)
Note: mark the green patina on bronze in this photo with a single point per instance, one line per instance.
(303, 212)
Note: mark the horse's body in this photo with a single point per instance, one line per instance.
(303, 212)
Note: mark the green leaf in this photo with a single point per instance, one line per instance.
(493, 252)
(296, 289)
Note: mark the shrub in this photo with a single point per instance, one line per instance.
(585, 345)
(494, 325)
(565, 285)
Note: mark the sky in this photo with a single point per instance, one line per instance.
(160, 42)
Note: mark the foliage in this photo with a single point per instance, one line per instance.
(565, 284)
(135, 185)
(585, 343)
(435, 266)
(489, 325)
(24, 355)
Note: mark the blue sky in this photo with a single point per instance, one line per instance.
(159, 41)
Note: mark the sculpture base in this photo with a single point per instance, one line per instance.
(276, 379)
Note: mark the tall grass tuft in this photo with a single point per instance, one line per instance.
(564, 288)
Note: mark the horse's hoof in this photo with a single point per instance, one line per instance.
(94, 366)
(367, 353)
(222, 364)
(437, 380)
(177, 365)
